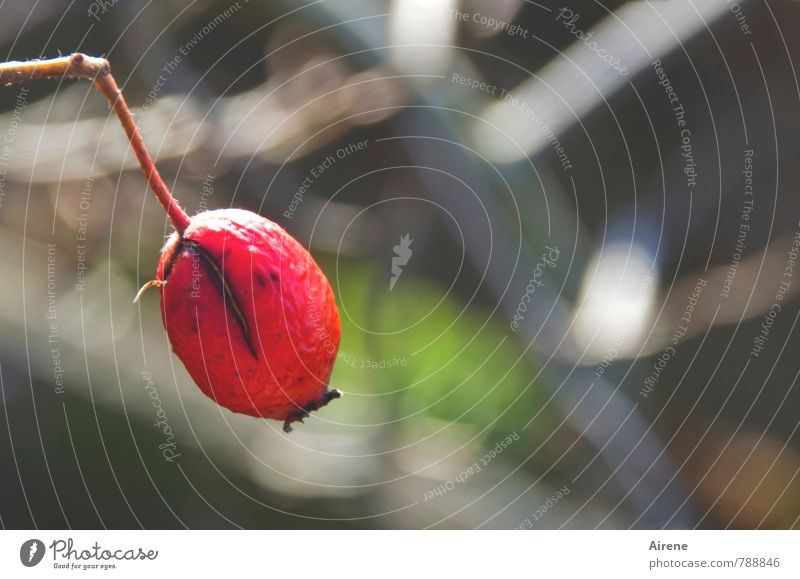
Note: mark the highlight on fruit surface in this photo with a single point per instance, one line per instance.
(247, 309)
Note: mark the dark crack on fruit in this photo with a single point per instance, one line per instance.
(221, 284)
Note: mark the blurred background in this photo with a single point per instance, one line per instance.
(562, 236)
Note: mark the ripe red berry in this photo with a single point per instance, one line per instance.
(250, 314)
(247, 309)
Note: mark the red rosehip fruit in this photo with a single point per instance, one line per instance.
(250, 314)
(247, 309)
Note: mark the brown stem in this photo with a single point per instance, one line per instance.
(99, 70)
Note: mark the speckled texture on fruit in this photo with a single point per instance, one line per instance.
(250, 314)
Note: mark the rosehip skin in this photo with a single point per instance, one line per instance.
(250, 314)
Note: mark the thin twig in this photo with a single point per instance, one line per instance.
(99, 70)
